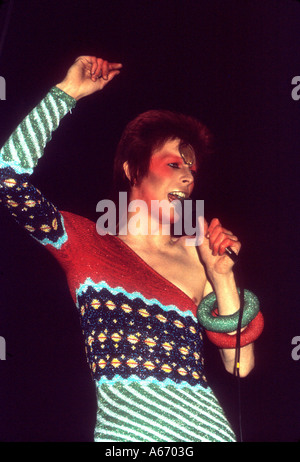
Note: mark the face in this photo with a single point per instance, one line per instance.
(170, 177)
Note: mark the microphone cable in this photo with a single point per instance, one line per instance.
(238, 348)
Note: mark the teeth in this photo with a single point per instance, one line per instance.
(176, 195)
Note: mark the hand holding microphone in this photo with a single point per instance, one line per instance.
(219, 242)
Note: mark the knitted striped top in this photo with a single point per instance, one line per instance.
(143, 342)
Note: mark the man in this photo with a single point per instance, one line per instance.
(137, 293)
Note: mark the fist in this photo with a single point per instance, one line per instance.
(213, 248)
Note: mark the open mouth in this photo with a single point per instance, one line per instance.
(177, 195)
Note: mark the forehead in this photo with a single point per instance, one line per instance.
(176, 148)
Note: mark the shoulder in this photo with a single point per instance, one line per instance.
(82, 230)
(77, 222)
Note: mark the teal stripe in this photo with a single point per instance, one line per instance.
(135, 411)
(37, 131)
(150, 380)
(28, 154)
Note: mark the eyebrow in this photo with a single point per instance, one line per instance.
(178, 157)
(171, 155)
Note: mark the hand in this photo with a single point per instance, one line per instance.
(212, 250)
(87, 75)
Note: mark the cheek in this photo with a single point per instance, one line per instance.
(159, 171)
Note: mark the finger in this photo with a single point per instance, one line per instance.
(93, 60)
(112, 74)
(214, 235)
(216, 227)
(105, 70)
(214, 222)
(228, 232)
(98, 69)
(219, 239)
(114, 66)
(102, 82)
(235, 245)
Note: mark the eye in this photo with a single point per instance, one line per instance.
(177, 165)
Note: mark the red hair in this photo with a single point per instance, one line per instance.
(150, 131)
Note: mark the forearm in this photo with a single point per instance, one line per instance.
(246, 362)
(228, 302)
(26, 144)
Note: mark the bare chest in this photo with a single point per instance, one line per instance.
(180, 269)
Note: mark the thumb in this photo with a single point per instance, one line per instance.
(110, 76)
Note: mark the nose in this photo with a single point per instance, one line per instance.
(187, 176)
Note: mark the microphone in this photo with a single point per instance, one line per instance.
(234, 257)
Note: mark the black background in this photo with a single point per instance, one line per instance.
(230, 64)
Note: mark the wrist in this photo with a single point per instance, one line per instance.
(226, 292)
(221, 279)
(69, 89)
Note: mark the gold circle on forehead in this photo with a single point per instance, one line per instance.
(187, 153)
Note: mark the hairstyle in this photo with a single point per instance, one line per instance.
(150, 131)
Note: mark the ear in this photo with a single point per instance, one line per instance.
(127, 173)
(126, 170)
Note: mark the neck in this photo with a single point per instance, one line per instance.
(143, 228)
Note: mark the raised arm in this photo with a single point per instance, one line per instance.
(25, 146)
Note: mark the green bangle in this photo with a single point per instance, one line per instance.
(227, 323)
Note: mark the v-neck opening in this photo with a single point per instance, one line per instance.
(156, 273)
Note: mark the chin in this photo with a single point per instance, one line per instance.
(170, 216)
